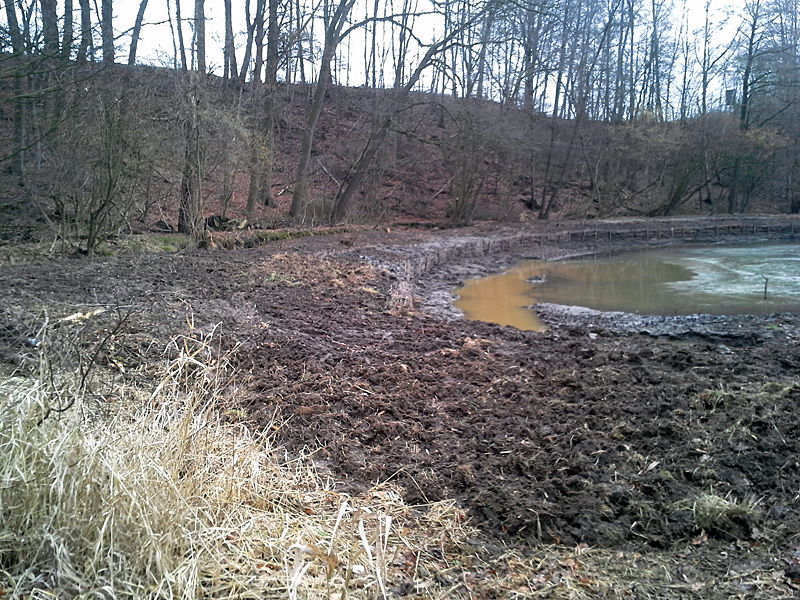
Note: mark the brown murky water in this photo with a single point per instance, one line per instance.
(713, 281)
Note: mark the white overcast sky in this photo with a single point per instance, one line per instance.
(156, 42)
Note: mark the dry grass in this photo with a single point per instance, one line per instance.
(165, 498)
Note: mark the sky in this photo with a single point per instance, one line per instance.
(156, 43)
(155, 46)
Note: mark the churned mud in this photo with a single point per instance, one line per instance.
(638, 434)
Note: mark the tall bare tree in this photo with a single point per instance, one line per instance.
(359, 169)
(69, 34)
(17, 165)
(190, 210)
(86, 31)
(50, 27)
(200, 35)
(136, 32)
(181, 43)
(230, 71)
(107, 30)
(333, 36)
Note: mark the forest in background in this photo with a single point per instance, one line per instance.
(455, 110)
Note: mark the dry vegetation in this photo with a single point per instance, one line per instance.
(161, 490)
(165, 494)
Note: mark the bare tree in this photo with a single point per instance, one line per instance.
(359, 169)
(190, 211)
(181, 44)
(107, 30)
(50, 27)
(230, 71)
(86, 31)
(262, 150)
(69, 34)
(251, 30)
(137, 30)
(17, 165)
(200, 34)
(333, 36)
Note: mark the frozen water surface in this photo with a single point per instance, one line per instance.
(715, 280)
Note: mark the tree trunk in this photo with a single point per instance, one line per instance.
(69, 35)
(485, 38)
(190, 211)
(50, 27)
(548, 187)
(263, 191)
(301, 183)
(262, 159)
(137, 30)
(271, 75)
(301, 62)
(200, 34)
(332, 38)
(107, 31)
(248, 46)
(181, 44)
(17, 41)
(531, 54)
(17, 166)
(230, 71)
(86, 31)
(259, 22)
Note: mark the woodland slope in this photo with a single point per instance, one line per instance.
(112, 157)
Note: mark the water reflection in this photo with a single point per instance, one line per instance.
(710, 280)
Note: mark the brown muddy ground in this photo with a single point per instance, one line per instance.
(682, 439)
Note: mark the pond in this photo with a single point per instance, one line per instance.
(711, 280)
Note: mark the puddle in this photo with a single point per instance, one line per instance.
(716, 280)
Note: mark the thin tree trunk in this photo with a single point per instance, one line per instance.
(200, 35)
(531, 51)
(268, 127)
(259, 39)
(17, 166)
(230, 71)
(632, 74)
(301, 183)
(262, 160)
(137, 30)
(248, 46)
(548, 187)
(485, 36)
(181, 44)
(332, 39)
(174, 41)
(359, 170)
(190, 210)
(301, 59)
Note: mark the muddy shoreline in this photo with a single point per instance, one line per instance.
(436, 287)
(627, 434)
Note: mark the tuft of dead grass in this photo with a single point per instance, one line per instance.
(164, 497)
